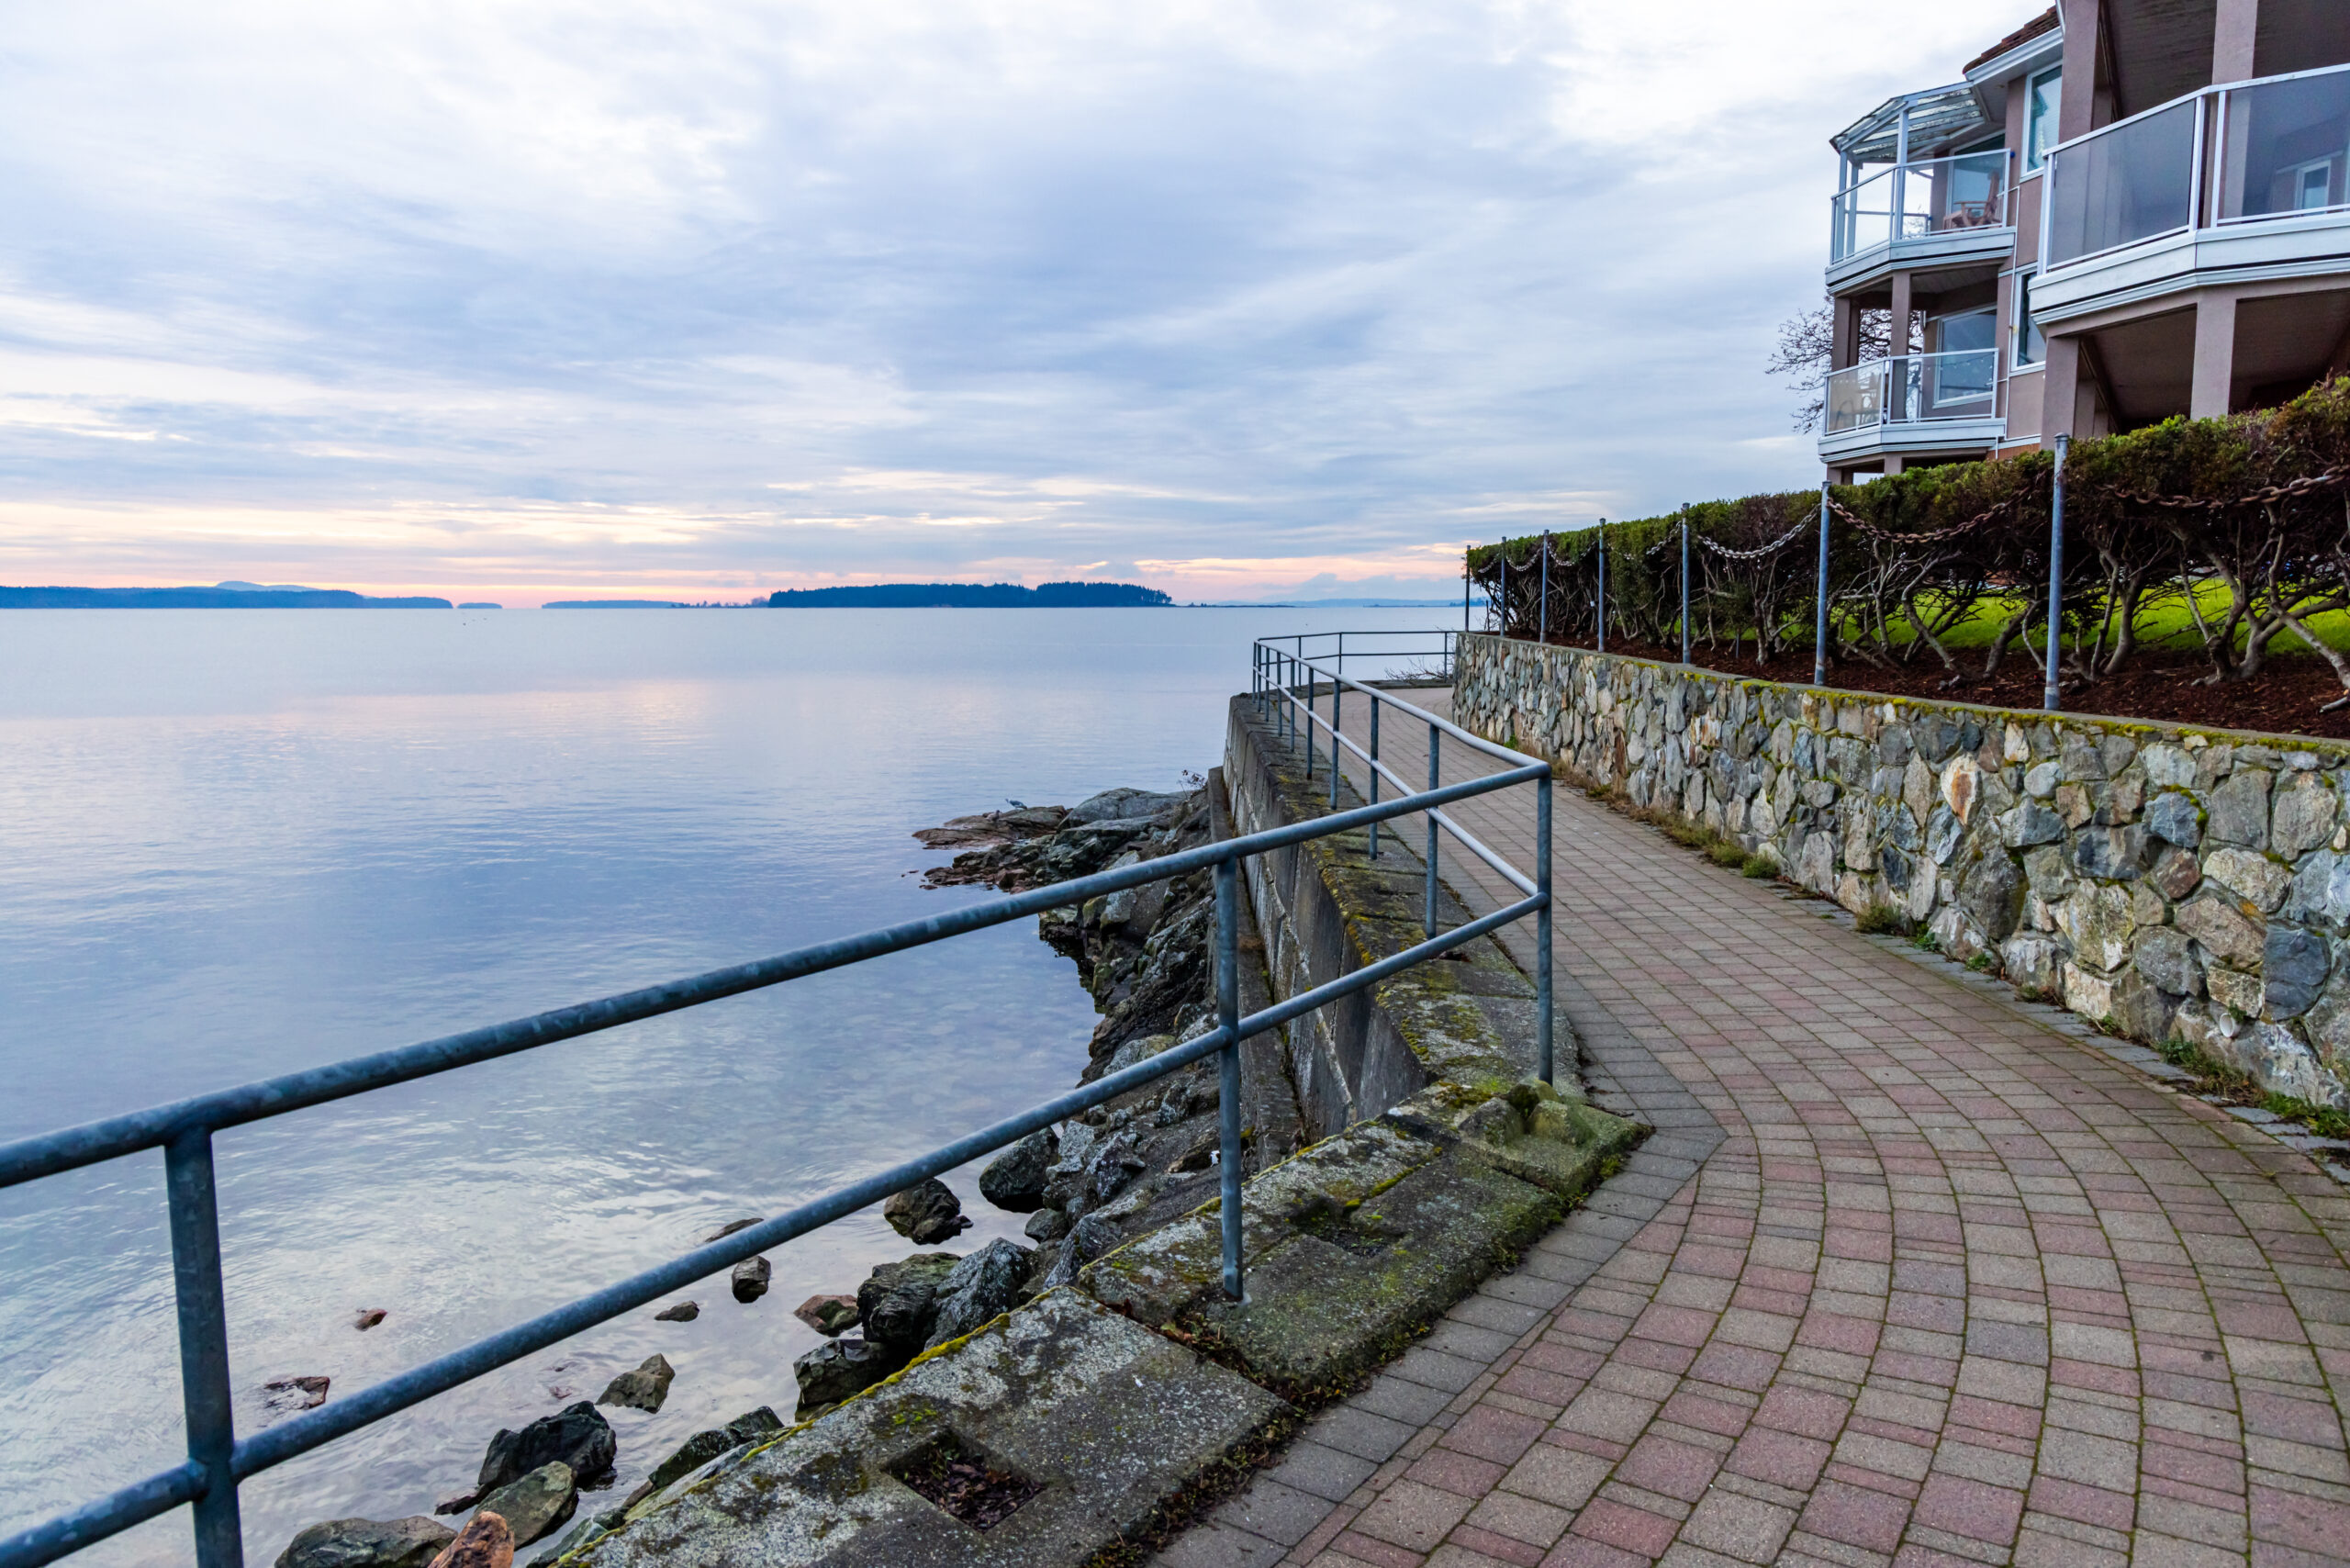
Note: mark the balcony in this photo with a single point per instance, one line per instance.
(1924, 402)
(1931, 212)
(2248, 180)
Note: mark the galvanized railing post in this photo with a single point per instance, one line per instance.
(1428, 923)
(1310, 695)
(1374, 773)
(1227, 1017)
(1542, 927)
(203, 1345)
(1335, 689)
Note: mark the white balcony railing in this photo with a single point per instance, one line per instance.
(1915, 388)
(2252, 152)
(1912, 201)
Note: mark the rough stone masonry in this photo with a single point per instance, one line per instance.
(2170, 882)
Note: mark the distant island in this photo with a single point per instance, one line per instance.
(221, 596)
(972, 595)
(614, 604)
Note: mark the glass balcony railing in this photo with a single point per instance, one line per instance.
(1910, 201)
(2283, 145)
(2131, 181)
(2263, 150)
(1913, 390)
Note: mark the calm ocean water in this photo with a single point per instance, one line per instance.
(237, 842)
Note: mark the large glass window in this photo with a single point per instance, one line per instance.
(2031, 343)
(2044, 96)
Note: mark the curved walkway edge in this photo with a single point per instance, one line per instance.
(1910, 1273)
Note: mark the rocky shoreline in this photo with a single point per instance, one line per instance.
(1088, 1185)
(1094, 1181)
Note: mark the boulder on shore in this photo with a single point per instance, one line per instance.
(646, 1388)
(295, 1393)
(899, 1301)
(368, 1543)
(487, 1542)
(978, 1288)
(1127, 805)
(536, 1504)
(927, 1213)
(750, 1279)
(578, 1435)
(830, 1372)
(684, 1312)
(705, 1446)
(828, 1315)
(1014, 1179)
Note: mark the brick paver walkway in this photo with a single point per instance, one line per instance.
(1906, 1276)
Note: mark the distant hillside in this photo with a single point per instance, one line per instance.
(613, 604)
(970, 596)
(204, 599)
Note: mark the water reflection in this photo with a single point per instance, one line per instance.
(240, 843)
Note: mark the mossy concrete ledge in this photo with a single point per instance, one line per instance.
(1110, 1418)
(1352, 1245)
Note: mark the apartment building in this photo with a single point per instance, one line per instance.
(2125, 210)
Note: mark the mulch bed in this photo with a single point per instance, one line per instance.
(2284, 700)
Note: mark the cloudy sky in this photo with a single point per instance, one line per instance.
(703, 297)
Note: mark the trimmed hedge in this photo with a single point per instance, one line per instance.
(2231, 530)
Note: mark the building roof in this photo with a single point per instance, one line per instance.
(1937, 116)
(2036, 28)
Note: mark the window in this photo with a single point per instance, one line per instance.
(2031, 343)
(1966, 333)
(2040, 116)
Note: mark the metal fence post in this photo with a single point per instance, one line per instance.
(1684, 588)
(1603, 585)
(1228, 1016)
(1502, 598)
(1428, 923)
(1374, 773)
(203, 1346)
(2049, 697)
(1542, 633)
(1542, 929)
(1819, 621)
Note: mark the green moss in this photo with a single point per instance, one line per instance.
(2326, 1121)
(1881, 920)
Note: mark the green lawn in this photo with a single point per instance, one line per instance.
(2166, 627)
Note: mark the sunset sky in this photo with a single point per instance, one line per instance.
(522, 301)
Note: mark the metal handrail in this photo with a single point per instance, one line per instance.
(1277, 673)
(219, 1461)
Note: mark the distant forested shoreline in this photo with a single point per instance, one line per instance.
(970, 596)
(204, 599)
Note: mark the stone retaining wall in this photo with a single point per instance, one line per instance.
(2170, 881)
